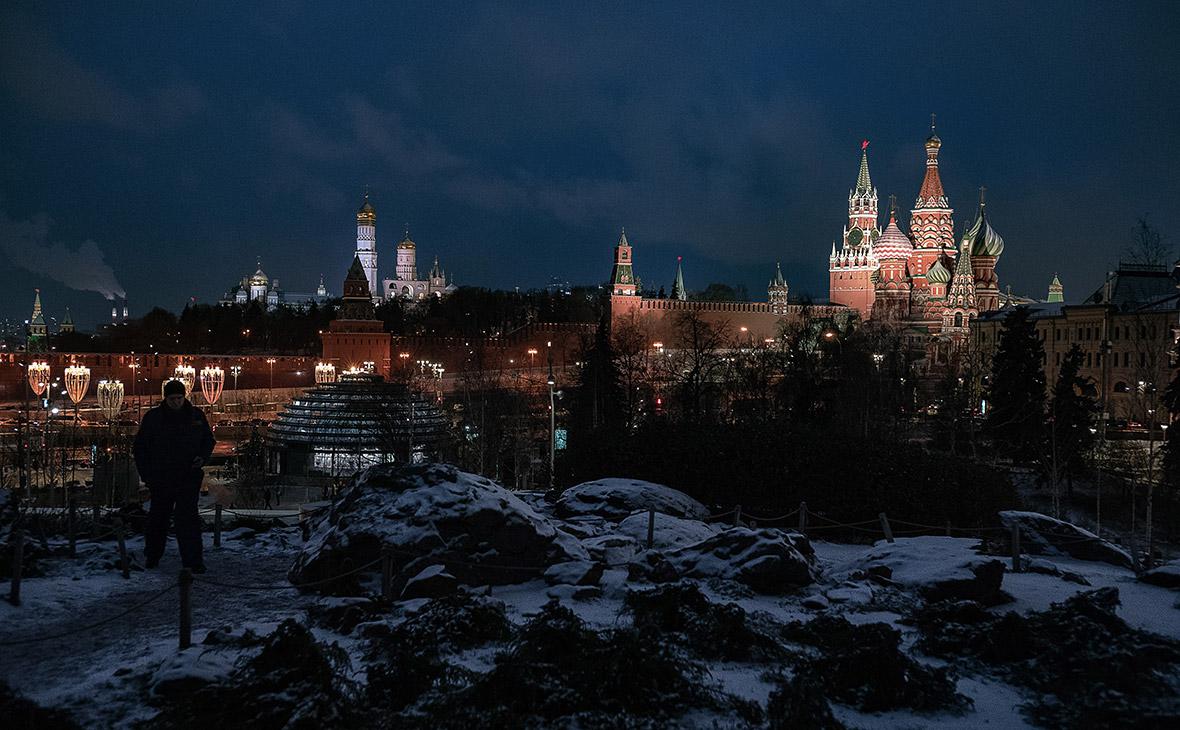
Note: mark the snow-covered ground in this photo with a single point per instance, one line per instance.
(106, 676)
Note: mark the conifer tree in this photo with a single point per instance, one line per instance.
(1071, 416)
(1017, 418)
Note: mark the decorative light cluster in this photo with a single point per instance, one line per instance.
(212, 383)
(110, 397)
(325, 372)
(39, 377)
(187, 375)
(77, 382)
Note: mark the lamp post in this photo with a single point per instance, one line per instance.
(38, 378)
(134, 386)
(235, 370)
(77, 383)
(552, 418)
(271, 362)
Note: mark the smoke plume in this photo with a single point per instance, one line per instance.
(27, 244)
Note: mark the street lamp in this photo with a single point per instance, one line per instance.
(552, 418)
(532, 354)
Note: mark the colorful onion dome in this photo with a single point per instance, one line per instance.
(893, 243)
(938, 273)
(983, 238)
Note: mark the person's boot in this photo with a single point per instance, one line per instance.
(150, 563)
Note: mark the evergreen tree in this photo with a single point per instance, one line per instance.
(1071, 416)
(596, 422)
(1017, 418)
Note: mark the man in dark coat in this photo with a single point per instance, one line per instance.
(173, 443)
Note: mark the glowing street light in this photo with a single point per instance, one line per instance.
(325, 372)
(77, 382)
(271, 362)
(110, 398)
(212, 383)
(39, 377)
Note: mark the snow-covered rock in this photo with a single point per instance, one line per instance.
(669, 532)
(431, 582)
(939, 567)
(191, 668)
(434, 514)
(768, 561)
(1166, 575)
(1044, 535)
(574, 573)
(618, 498)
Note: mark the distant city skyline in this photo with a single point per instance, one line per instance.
(516, 143)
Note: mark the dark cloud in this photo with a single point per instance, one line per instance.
(516, 140)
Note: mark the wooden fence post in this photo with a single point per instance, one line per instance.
(217, 525)
(17, 536)
(94, 521)
(885, 527)
(1015, 548)
(948, 528)
(386, 572)
(802, 518)
(651, 528)
(185, 582)
(124, 563)
(737, 516)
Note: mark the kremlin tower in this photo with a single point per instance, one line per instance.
(850, 269)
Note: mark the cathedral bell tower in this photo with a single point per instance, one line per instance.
(366, 244)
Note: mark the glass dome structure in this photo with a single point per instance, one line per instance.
(334, 429)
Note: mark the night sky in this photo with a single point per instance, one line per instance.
(179, 143)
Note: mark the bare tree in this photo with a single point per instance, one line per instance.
(696, 360)
(1147, 246)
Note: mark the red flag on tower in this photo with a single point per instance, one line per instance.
(864, 144)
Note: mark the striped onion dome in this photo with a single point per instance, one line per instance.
(938, 273)
(358, 412)
(984, 239)
(893, 244)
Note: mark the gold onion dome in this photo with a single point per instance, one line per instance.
(938, 273)
(407, 242)
(893, 243)
(983, 238)
(259, 277)
(366, 214)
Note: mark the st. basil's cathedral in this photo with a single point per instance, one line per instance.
(922, 283)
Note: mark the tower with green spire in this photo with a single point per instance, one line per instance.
(37, 340)
(67, 323)
(1056, 290)
(622, 277)
(678, 290)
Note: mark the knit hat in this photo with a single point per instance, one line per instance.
(173, 387)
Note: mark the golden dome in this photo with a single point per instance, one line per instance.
(406, 242)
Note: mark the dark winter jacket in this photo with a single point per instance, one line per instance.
(169, 440)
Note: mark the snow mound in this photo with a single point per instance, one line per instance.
(768, 561)
(619, 498)
(1044, 535)
(434, 514)
(669, 531)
